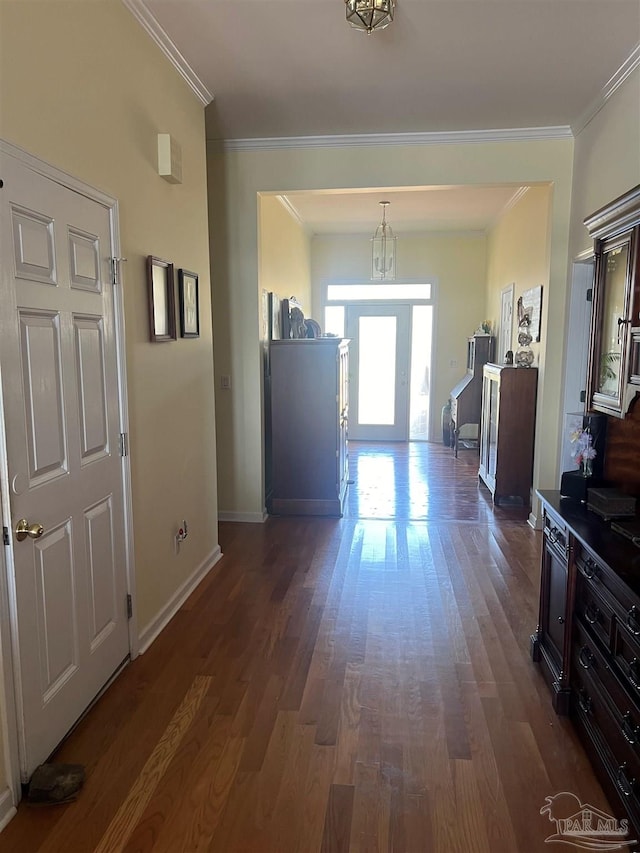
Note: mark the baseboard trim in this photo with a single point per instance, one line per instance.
(534, 522)
(7, 808)
(246, 517)
(151, 631)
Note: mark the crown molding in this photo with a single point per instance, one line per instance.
(631, 64)
(291, 210)
(515, 198)
(518, 134)
(148, 22)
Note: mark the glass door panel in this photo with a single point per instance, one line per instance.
(377, 337)
(379, 372)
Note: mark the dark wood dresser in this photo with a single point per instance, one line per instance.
(588, 641)
(309, 415)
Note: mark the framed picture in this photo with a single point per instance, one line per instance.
(162, 301)
(530, 311)
(189, 304)
(275, 330)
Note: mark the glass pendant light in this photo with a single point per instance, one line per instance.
(370, 15)
(383, 250)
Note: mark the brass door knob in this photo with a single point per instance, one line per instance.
(24, 529)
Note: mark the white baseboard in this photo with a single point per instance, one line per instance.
(246, 517)
(534, 521)
(151, 631)
(7, 808)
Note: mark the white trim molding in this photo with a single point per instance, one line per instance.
(7, 808)
(244, 517)
(631, 64)
(150, 632)
(149, 23)
(456, 137)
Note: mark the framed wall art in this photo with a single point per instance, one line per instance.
(189, 299)
(161, 297)
(530, 311)
(275, 327)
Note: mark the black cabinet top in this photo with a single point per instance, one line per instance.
(619, 554)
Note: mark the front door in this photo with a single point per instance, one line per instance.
(61, 413)
(379, 372)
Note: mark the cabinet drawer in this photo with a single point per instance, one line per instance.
(621, 731)
(622, 600)
(594, 610)
(626, 654)
(620, 758)
(556, 535)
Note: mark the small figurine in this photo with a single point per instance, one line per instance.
(508, 359)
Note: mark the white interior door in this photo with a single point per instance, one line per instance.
(65, 480)
(379, 372)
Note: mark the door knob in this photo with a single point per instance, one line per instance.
(24, 529)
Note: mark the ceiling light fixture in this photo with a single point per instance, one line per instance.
(370, 15)
(383, 250)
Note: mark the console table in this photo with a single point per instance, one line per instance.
(588, 641)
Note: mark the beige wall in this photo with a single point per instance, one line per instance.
(235, 179)
(285, 253)
(607, 158)
(454, 263)
(83, 87)
(518, 253)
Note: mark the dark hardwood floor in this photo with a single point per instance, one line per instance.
(361, 684)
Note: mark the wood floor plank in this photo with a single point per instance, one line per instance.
(354, 684)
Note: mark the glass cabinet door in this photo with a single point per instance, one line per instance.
(609, 368)
(615, 264)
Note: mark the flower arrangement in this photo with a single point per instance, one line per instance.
(583, 451)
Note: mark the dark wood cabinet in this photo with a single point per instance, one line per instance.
(593, 663)
(507, 431)
(551, 641)
(309, 418)
(614, 358)
(466, 397)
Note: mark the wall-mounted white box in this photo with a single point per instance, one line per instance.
(169, 159)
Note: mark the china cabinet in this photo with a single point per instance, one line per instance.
(507, 431)
(614, 358)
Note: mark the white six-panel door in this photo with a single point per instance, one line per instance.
(62, 422)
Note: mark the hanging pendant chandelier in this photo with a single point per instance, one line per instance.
(383, 250)
(370, 15)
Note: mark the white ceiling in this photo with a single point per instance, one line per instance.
(293, 68)
(296, 68)
(411, 210)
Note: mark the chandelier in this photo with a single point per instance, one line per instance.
(383, 250)
(370, 15)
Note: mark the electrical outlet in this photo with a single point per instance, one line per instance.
(181, 534)
(453, 362)
(225, 383)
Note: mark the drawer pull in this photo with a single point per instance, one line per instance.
(585, 657)
(554, 534)
(590, 568)
(584, 701)
(633, 621)
(592, 613)
(623, 782)
(629, 728)
(634, 673)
